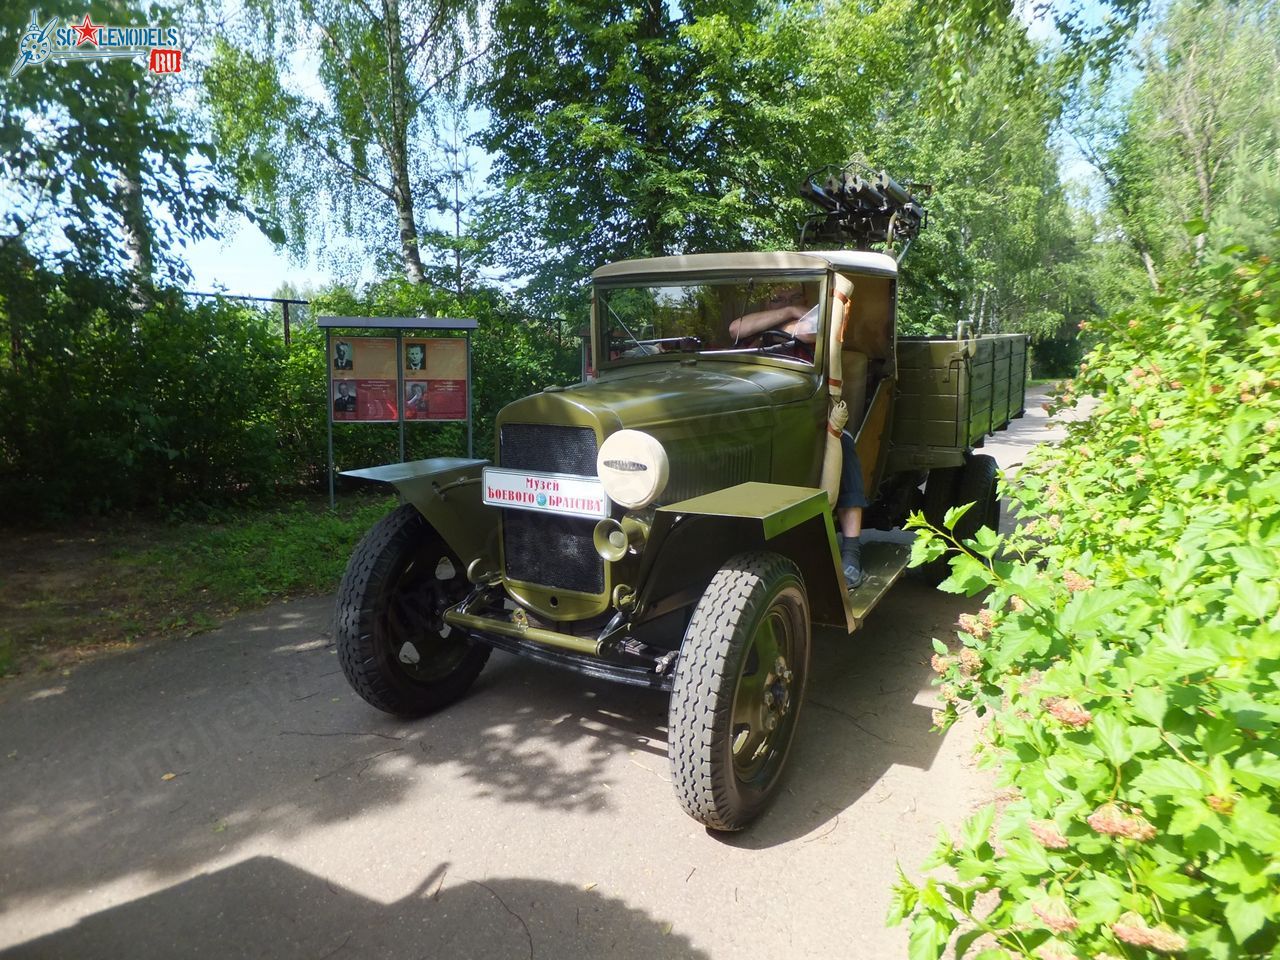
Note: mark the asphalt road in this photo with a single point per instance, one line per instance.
(229, 796)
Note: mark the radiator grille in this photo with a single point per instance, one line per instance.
(537, 446)
(543, 548)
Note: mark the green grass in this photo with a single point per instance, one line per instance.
(255, 557)
(72, 593)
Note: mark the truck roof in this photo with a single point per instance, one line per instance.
(855, 261)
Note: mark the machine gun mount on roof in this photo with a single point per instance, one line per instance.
(860, 207)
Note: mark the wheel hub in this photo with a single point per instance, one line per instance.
(777, 697)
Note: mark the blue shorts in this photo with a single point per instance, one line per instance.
(851, 493)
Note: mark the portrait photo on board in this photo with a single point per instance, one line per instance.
(344, 397)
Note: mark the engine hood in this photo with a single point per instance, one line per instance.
(651, 395)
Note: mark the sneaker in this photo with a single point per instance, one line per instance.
(851, 560)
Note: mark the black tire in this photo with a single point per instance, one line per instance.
(939, 497)
(977, 486)
(390, 608)
(724, 692)
(940, 493)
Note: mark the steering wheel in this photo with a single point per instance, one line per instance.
(777, 338)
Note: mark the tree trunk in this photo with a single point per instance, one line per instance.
(401, 188)
(131, 207)
(1151, 270)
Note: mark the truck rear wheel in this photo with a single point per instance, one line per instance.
(939, 497)
(393, 644)
(978, 486)
(974, 482)
(737, 690)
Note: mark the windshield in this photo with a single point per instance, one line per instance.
(769, 316)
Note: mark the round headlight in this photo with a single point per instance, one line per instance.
(633, 468)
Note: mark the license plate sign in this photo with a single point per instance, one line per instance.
(545, 492)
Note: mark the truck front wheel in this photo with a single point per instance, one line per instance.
(737, 690)
(394, 646)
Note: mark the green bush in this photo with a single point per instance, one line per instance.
(1128, 653)
(106, 408)
(103, 407)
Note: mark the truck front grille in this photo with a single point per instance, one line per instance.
(545, 548)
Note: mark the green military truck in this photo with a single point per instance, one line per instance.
(668, 521)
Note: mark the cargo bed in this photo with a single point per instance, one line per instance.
(952, 394)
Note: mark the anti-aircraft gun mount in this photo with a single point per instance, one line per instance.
(861, 207)
(668, 522)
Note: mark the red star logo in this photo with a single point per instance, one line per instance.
(88, 30)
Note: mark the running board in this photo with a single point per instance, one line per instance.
(883, 563)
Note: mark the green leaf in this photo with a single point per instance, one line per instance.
(1025, 856)
(986, 541)
(1245, 916)
(1112, 736)
(926, 549)
(954, 515)
(932, 900)
(976, 830)
(1171, 884)
(1151, 704)
(928, 938)
(903, 900)
(969, 576)
(1243, 868)
(1086, 611)
(1255, 824)
(1258, 767)
(1169, 776)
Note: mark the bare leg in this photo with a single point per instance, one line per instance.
(850, 520)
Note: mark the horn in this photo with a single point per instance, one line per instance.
(610, 540)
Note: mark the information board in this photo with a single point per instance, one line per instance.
(435, 379)
(363, 379)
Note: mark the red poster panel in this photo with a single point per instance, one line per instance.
(363, 372)
(446, 400)
(366, 401)
(416, 400)
(435, 373)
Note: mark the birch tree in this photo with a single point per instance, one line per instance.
(356, 146)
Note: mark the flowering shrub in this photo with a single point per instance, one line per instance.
(1129, 655)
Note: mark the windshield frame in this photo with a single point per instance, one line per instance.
(599, 334)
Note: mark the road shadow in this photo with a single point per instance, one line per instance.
(155, 762)
(264, 907)
(158, 760)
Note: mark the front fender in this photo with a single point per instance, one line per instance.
(447, 491)
(692, 538)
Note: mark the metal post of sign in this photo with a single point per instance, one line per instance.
(471, 454)
(328, 402)
(400, 388)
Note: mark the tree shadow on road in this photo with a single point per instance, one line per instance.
(264, 907)
(262, 737)
(157, 761)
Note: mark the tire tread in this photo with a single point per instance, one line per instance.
(702, 695)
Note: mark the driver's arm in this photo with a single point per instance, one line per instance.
(750, 324)
(796, 321)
